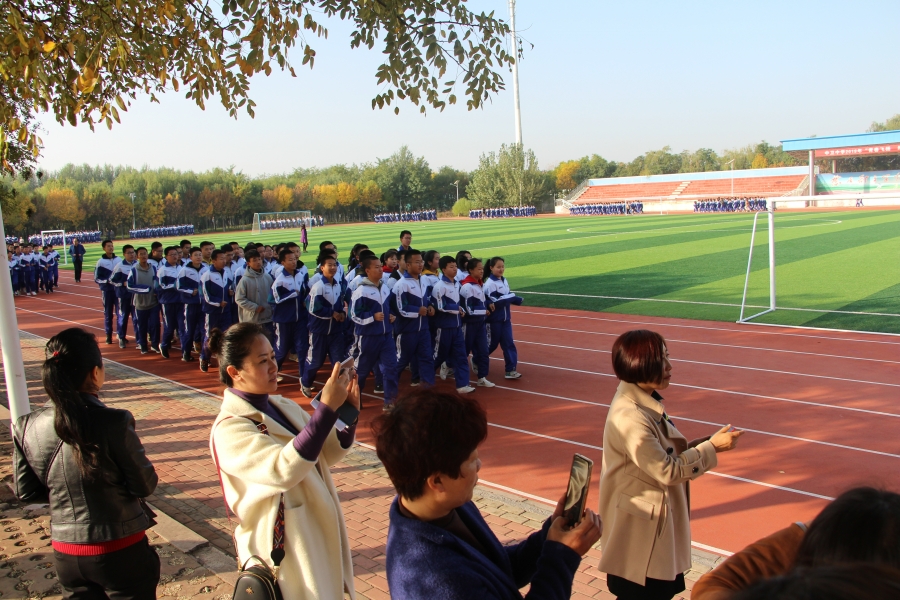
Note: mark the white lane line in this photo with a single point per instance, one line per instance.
(546, 437)
(728, 330)
(727, 366)
(722, 391)
(819, 354)
(713, 424)
(67, 304)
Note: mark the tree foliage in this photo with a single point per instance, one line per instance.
(87, 60)
(508, 178)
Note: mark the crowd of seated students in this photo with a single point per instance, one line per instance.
(504, 212)
(152, 232)
(406, 216)
(731, 205)
(608, 208)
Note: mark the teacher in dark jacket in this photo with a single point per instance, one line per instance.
(439, 546)
(77, 250)
(87, 461)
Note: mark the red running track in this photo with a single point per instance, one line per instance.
(817, 406)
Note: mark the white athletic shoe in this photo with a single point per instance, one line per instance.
(445, 370)
(483, 382)
(465, 390)
(513, 374)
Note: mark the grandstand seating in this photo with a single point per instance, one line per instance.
(744, 186)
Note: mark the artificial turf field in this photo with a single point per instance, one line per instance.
(831, 266)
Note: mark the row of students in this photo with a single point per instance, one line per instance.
(608, 208)
(504, 212)
(30, 271)
(406, 216)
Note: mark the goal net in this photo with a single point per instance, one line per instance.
(57, 237)
(281, 220)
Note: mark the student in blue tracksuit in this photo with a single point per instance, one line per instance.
(412, 330)
(170, 299)
(30, 264)
(188, 285)
(45, 277)
(496, 290)
(326, 315)
(228, 251)
(124, 298)
(449, 345)
(13, 262)
(216, 288)
(53, 265)
(17, 276)
(289, 291)
(405, 241)
(142, 284)
(477, 308)
(374, 343)
(103, 272)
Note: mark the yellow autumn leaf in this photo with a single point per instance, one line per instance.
(49, 46)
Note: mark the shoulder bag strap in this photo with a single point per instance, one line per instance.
(277, 554)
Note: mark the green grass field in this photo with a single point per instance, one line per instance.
(689, 266)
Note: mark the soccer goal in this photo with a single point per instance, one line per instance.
(770, 220)
(58, 238)
(280, 220)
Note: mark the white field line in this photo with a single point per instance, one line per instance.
(727, 366)
(818, 354)
(732, 330)
(668, 300)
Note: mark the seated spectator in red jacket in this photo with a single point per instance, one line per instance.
(439, 546)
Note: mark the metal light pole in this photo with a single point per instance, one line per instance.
(13, 365)
(133, 224)
(515, 69)
(456, 184)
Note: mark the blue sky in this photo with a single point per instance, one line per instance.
(612, 78)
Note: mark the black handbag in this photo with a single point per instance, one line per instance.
(259, 581)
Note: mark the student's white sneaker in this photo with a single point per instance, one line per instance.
(465, 390)
(483, 382)
(513, 374)
(444, 370)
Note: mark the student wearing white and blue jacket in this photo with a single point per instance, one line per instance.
(141, 283)
(170, 299)
(374, 342)
(471, 293)
(102, 277)
(412, 330)
(496, 289)
(289, 291)
(449, 345)
(325, 304)
(188, 285)
(53, 265)
(124, 298)
(216, 290)
(30, 264)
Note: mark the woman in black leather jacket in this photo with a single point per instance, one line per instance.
(87, 461)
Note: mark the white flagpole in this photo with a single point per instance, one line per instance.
(13, 365)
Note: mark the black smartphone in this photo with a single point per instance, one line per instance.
(577, 493)
(346, 414)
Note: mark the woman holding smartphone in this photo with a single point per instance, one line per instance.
(274, 461)
(647, 467)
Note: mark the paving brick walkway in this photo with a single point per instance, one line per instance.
(173, 423)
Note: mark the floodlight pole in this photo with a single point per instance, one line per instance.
(13, 365)
(515, 69)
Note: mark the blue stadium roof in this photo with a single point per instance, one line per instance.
(841, 141)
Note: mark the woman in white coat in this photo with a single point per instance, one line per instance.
(266, 447)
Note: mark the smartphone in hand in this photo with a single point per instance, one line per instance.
(347, 413)
(577, 492)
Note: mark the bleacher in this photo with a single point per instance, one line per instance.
(610, 193)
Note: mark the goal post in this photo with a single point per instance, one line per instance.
(47, 237)
(280, 220)
(770, 220)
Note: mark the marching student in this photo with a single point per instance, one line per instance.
(462, 257)
(13, 262)
(412, 330)
(45, 279)
(216, 289)
(373, 348)
(124, 298)
(405, 241)
(76, 251)
(398, 261)
(185, 246)
(238, 261)
(431, 275)
(18, 272)
(325, 304)
(206, 249)
(103, 272)
(188, 285)
(228, 250)
(30, 265)
(53, 266)
(252, 295)
(471, 293)
(496, 290)
(354, 259)
(290, 316)
(141, 283)
(326, 245)
(449, 344)
(170, 299)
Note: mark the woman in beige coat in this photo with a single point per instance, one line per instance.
(267, 446)
(644, 481)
